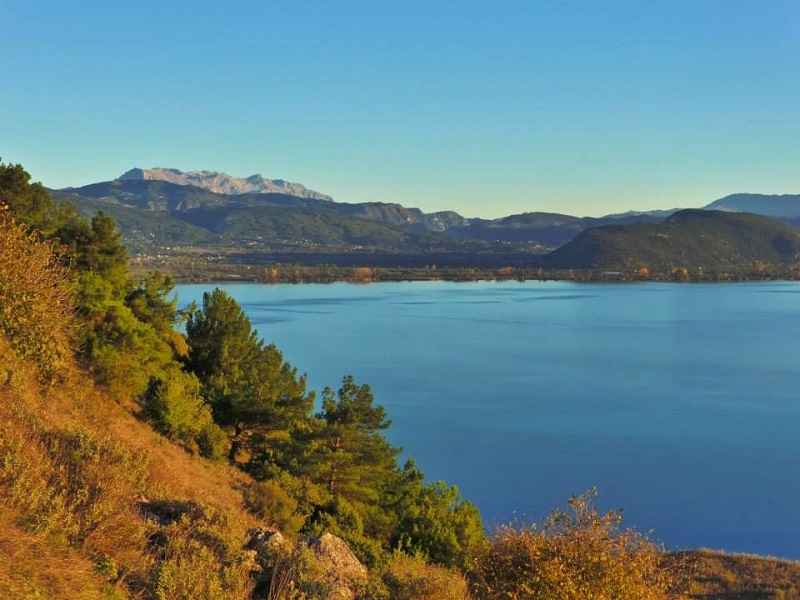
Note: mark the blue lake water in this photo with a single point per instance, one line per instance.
(679, 402)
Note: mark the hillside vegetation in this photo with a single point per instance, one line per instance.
(140, 462)
(191, 231)
(689, 238)
(158, 214)
(549, 230)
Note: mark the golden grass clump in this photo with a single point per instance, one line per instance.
(411, 578)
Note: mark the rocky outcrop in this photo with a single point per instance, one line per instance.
(395, 214)
(315, 565)
(342, 571)
(266, 542)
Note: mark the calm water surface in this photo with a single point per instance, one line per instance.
(679, 402)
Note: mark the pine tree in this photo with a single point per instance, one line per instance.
(249, 386)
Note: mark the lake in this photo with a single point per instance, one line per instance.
(677, 401)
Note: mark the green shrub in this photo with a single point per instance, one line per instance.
(213, 442)
(340, 518)
(121, 352)
(271, 503)
(174, 402)
(436, 522)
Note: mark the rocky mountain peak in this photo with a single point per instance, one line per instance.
(222, 183)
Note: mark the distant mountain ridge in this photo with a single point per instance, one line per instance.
(222, 183)
(785, 206)
(290, 216)
(165, 208)
(161, 214)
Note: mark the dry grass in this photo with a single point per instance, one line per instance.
(75, 467)
(173, 471)
(718, 576)
(411, 578)
(39, 566)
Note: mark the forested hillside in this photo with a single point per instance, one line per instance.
(703, 239)
(137, 461)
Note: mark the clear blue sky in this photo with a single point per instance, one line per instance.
(484, 107)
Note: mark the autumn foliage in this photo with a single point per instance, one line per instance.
(36, 303)
(575, 554)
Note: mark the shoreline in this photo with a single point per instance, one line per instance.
(286, 273)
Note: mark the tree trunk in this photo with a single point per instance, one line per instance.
(236, 443)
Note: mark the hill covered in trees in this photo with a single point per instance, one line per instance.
(694, 239)
(137, 461)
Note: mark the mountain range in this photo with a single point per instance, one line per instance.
(166, 208)
(222, 183)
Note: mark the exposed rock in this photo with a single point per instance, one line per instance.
(315, 565)
(267, 542)
(222, 183)
(343, 572)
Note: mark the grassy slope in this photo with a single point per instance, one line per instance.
(95, 504)
(718, 576)
(75, 468)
